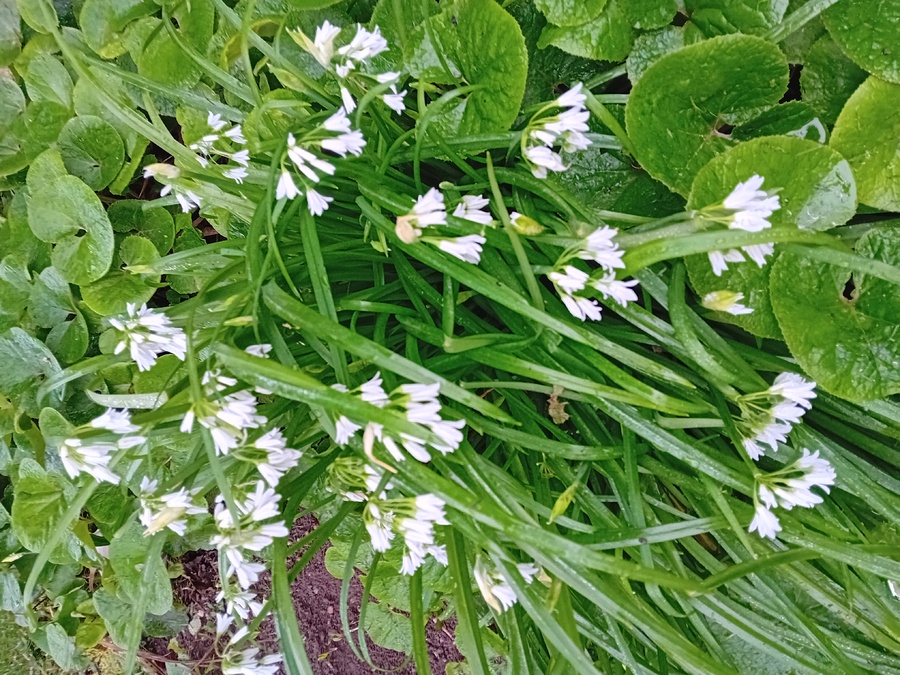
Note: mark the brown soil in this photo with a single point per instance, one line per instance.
(316, 596)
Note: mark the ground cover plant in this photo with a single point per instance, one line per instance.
(572, 322)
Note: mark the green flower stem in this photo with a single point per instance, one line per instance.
(611, 123)
(603, 78)
(798, 19)
(689, 422)
(534, 288)
(653, 252)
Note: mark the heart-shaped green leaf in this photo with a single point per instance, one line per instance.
(844, 335)
(67, 213)
(869, 33)
(816, 192)
(152, 222)
(828, 79)
(92, 150)
(24, 365)
(866, 134)
(113, 292)
(570, 12)
(676, 110)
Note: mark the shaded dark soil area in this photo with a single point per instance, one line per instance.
(316, 596)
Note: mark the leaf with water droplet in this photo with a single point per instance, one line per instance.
(842, 328)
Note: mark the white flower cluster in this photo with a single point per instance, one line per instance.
(746, 208)
(419, 403)
(206, 147)
(429, 211)
(766, 420)
(347, 62)
(413, 518)
(168, 510)
(146, 334)
(789, 487)
(564, 129)
(767, 416)
(188, 200)
(571, 281)
(496, 592)
(84, 455)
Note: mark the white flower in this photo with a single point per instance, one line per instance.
(286, 188)
(169, 510)
(223, 622)
(426, 212)
(473, 208)
(390, 76)
(726, 301)
(788, 411)
(364, 45)
(786, 489)
(215, 121)
(575, 141)
(261, 504)
(570, 280)
(467, 248)
(227, 418)
(498, 594)
(305, 161)
(279, 458)
(542, 159)
(394, 100)
(421, 393)
(92, 459)
(348, 100)
(351, 142)
(765, 523)
(147, 334)
(344, 430)
(244, 603)
(758, 253)
(117, 421)
(794, 388)
(316, 202)
(615, 289)
(380, 526)
(573, 98)
(600, 247)
(241, 157)
(338, 122)
(187, 200)
(450, 432)
(581, 308)
(373, 391)
(260, 350)
(236, 134)
(205, 144)
(237, 174)
(719, 260)
(573, 119)
(751, 206)
(248, 662)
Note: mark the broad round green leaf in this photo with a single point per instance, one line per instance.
(12, 101)
(721, 17)
(110, 294)
(67, 213)
(675, 111)
(491, 54)
(129, 554)
(828, 79)
(793, 118)
(69, 340)
(570, 12)
(48, 80)
(869, 33)
(866, 134)
(103, 23)
(10, 33)
(92, 150)
(152, 222)
(25, 362)
(41, 501)
(159, 56)
(607, 37)
(816, 191)
(847, 344)
(50, 301)
(15, 289)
